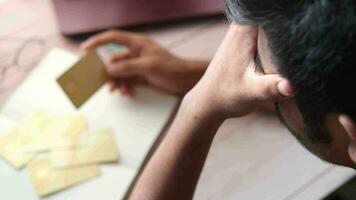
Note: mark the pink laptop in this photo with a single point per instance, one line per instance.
(81, 16)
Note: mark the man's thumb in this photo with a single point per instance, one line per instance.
(273, 87)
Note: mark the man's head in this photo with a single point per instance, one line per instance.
(312, 43)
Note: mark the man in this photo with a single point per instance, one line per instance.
(309, 46)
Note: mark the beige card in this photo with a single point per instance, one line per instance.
(100, 148)
(32, 126)
(61, 132)
(26, 132)
(47, 180)
(12, 152)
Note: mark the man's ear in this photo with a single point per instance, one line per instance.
(350, 127)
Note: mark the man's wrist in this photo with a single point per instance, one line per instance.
(201, 110)
(198, 118)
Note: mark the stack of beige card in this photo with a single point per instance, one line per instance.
(57, 151)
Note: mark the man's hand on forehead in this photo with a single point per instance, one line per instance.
(231, 87)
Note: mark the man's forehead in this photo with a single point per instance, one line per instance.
(265, 53)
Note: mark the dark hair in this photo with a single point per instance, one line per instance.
(313, 44)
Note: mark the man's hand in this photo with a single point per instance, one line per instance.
(145, 62)
(231, 87)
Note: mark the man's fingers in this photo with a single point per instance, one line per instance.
(123, 85)
(125, 54)
(126, 90)
(272, 88)
(128, 68)
(119, 37)
(109, 58)
(112, 85)
(126, 86)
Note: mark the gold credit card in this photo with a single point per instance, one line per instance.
(61, 132)
(48, 180)
(101, 148)
(13, 143)
(11, 151)
(84, 78)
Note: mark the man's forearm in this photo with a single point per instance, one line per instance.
(174, 169)
(229, 88)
